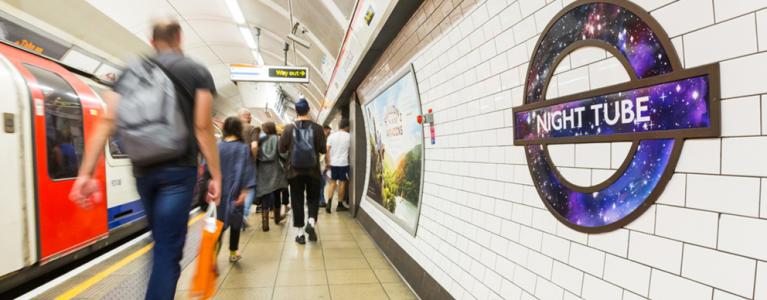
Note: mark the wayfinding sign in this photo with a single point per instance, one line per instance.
(240, 72)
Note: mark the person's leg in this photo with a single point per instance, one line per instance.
(267, 202)
(276, 206)
(313, 203)
(330, 191)
(323, 202)
(246, 207)
(297, 187)
(342, 175)
(236, 227)
(174, 188)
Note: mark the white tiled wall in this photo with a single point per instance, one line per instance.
(485, 234)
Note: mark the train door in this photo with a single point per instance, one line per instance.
(64, 111)
(17, 204)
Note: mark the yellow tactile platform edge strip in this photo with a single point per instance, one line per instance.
(76, 290)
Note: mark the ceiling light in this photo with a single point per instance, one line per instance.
(248, 36)
(234, 9)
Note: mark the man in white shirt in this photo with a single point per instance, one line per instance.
(337, 159)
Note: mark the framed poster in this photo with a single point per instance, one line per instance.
(395, 143)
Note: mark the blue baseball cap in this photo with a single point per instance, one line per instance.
(302, 106)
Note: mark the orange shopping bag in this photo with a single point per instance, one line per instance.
(204, 280)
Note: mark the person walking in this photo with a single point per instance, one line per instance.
(325, 171)
(166, 185)
(250, 135)
(337, 160)
(303, 142)
(238, 180)
(272, 175)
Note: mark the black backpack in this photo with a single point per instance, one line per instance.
(302, 153)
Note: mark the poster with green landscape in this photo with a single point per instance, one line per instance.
(395, 140)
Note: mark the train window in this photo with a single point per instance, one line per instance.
(63, 124)
(116, 148)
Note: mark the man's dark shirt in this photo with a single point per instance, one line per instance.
(192, 76)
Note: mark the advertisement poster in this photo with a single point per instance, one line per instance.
(396, 151)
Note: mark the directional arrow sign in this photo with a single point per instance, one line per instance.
(269, 73)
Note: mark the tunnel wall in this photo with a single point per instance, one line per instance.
(484, 232)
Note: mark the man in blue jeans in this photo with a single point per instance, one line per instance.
(165, 188)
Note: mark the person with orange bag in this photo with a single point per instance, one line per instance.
(238, 178)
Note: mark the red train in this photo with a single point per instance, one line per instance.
(48, 112)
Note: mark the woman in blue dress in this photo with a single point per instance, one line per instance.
(237, 178)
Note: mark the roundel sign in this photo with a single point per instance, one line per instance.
(662, 105)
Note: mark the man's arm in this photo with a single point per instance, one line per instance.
(203, 130)
(83, 186)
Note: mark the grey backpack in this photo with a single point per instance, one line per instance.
(150, 121)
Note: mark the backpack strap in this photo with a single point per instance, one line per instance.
(186, 108)
(172, 77)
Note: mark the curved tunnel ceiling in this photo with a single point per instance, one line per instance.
(213, 38)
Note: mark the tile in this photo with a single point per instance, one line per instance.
(258, 278)
(387, 275)
(301, 292)
(351, 276)
(301, 278)
(734, 274)
(251, 264)
(398, 291)
(343, 253)
(346, 263)
(378, 262)
(313, 264)
(358, 291)
(249, 294)
(332, 245)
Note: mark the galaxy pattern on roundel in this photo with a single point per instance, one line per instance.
(612, 203)
(621, 29)
(616, 26)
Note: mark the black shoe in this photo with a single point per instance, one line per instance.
(323, 204)
(342, 208)
(301, 239)
(328, 208)
(311, 232)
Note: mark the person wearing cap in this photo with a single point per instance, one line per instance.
(305, 179)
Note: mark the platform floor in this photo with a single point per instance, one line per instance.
(344, 264)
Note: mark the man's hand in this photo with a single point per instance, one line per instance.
(214, 191)
(85, 192)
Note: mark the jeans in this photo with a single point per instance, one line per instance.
(248, 202)
(167, 195)
(299, 185)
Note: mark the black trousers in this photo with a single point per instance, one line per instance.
(285, 195)
(235, 228)
(298, 186)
